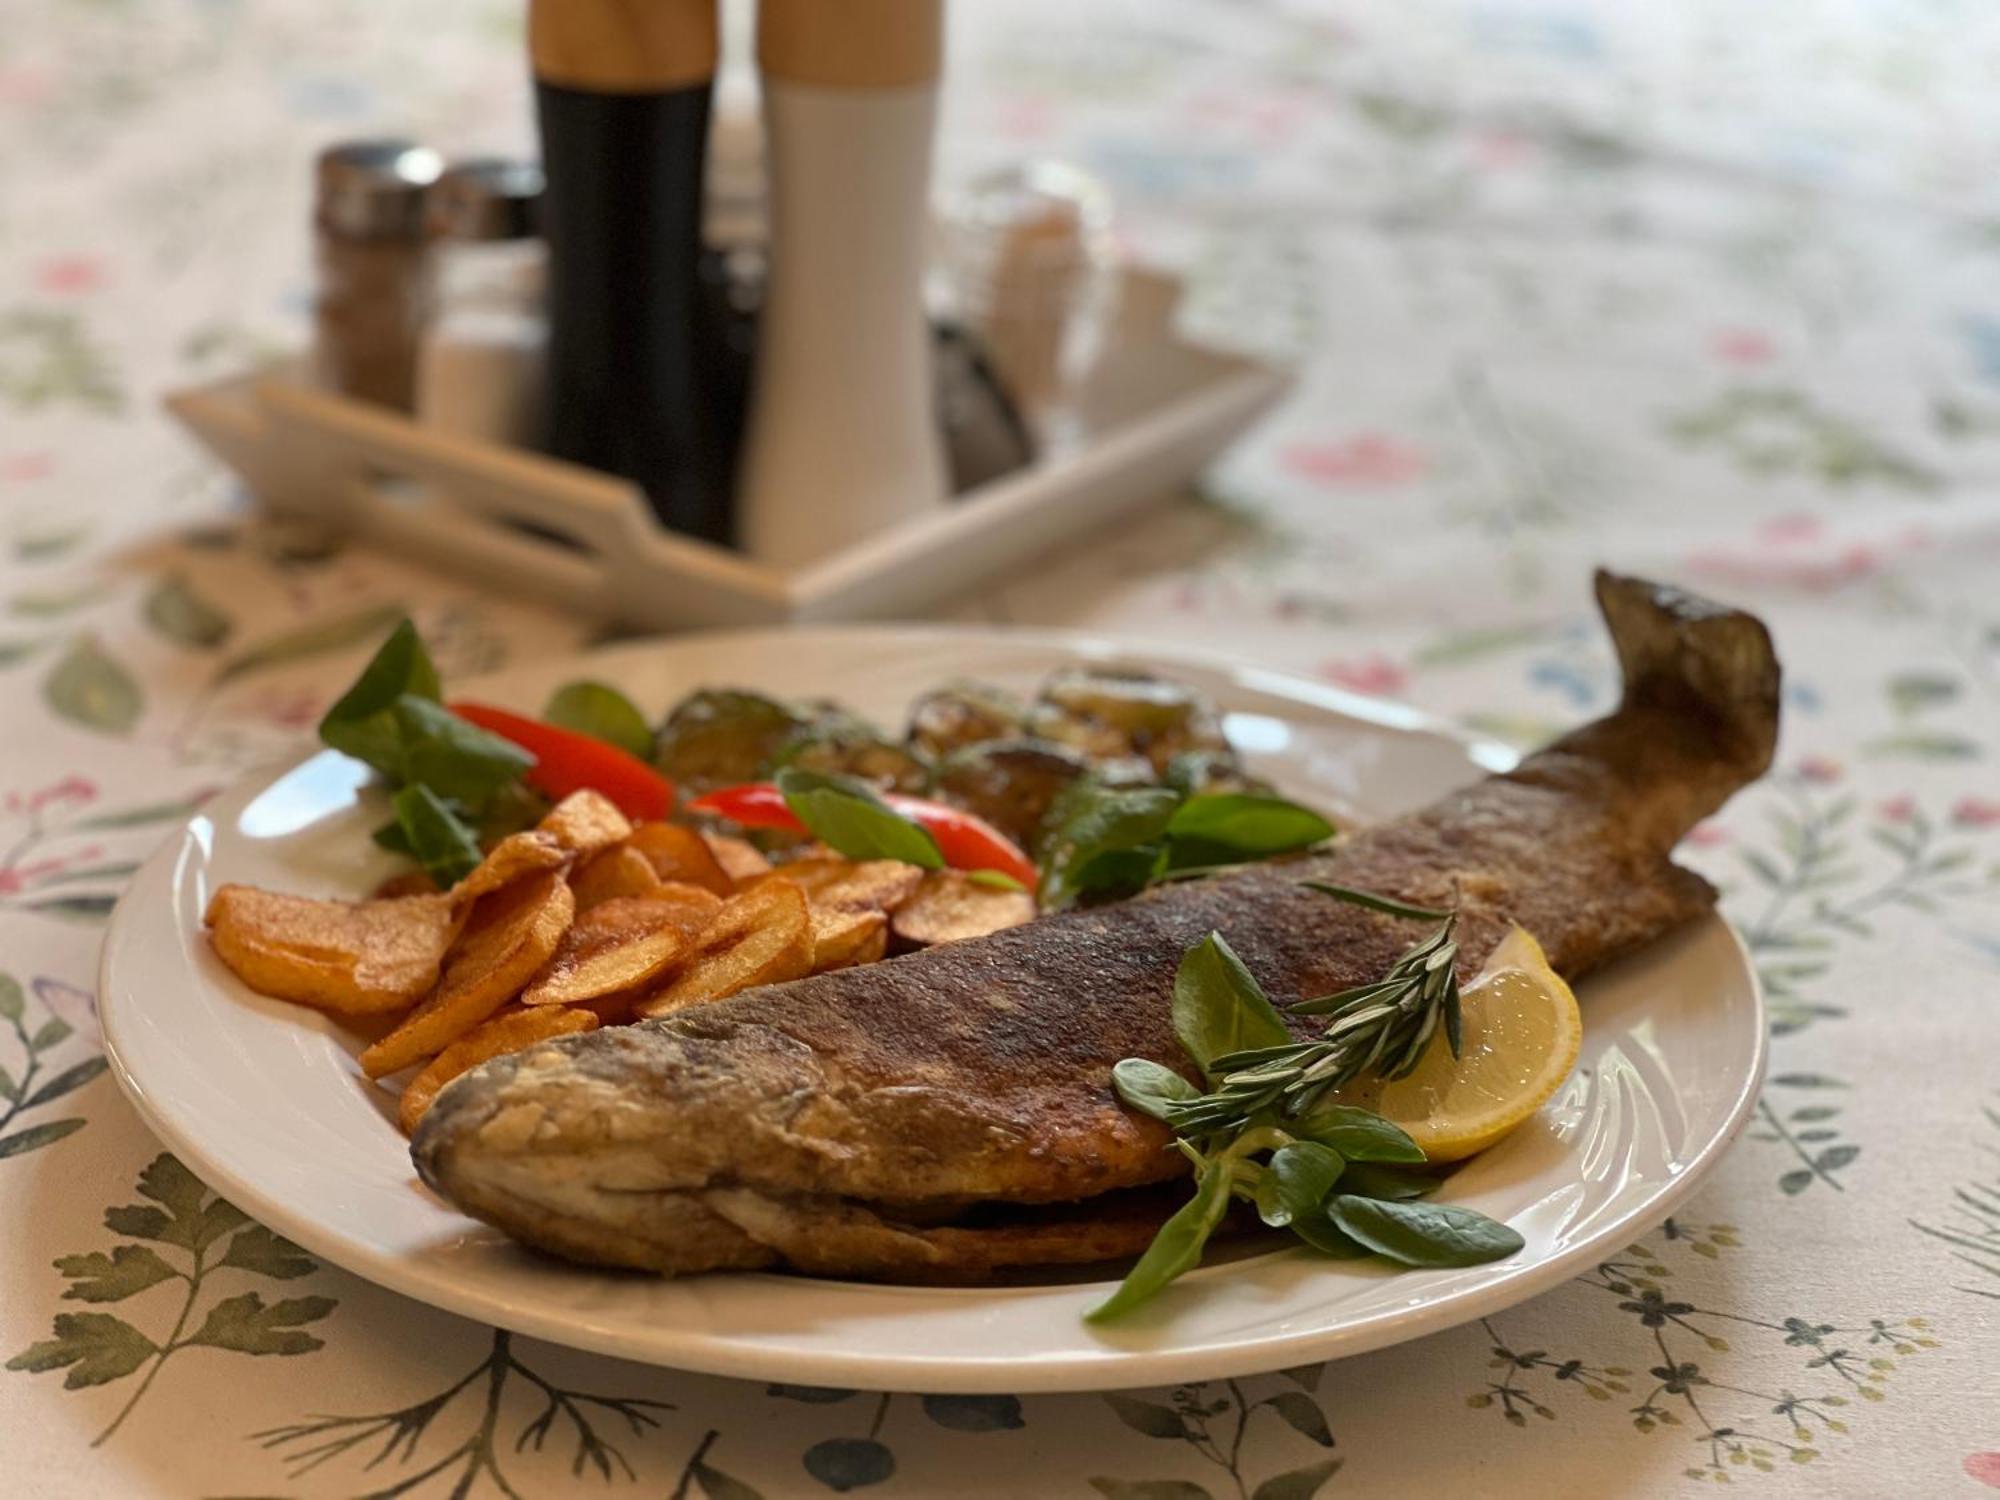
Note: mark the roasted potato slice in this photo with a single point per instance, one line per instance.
(511, 934)
(354, 958)
(843, 938)
(515, 856)
(509, 1031)
(849, 885)
(612, 874)
(741, 860)
(948, 907)
(763, 936)
(681, 854)
(585, 822)
(616, 946)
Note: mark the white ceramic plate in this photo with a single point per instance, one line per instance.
(266, 1102)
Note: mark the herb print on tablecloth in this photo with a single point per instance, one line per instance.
(1214, 1419)
(404, 1441)
(1970, 1224)
(35, 1040)
(189, 1222)
(843, 1463)
(1734, 1427)
(56, 847)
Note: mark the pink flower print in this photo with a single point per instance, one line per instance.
(1984, 1467)
(1975, 812)
(1742, 347)
(18, 468)
(1374, 674)
(1794, 526)
(70, 274)
(1367, 459)
(1500, 148)
(1819, 770)
(1708, 835)
(1897, 809)
(74, 790)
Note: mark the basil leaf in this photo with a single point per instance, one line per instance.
(1177, 1248)
(1327, 1237)
(846, 814)
(390, 836)
(998, 880)
(1150, 1087)
(437, 837)
(362, 723)
(1304, 1173)
(602, 712)
(1357, 1134)
(1424, 1234)
(1238, 827)
(1367, 1179)
(1219, 1007)
(459, 761)
(1109, 841)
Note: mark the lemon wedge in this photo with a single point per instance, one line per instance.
(1520, 1039)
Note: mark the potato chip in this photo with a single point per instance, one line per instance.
(949, 908)
(510, 936)
(353, 958)
(515, 856)
(409, 883)
(843, 884)
(842, 938)
(763, 936)
(610, 874)
(740, 859)
(617, 946)
(693, 907)
(509, 1031)
(585, 822)
(678, 853)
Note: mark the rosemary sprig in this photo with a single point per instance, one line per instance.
(1382, 1027)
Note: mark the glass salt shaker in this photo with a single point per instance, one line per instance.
(482, 364)
(368, 224)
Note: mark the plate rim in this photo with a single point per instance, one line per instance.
(1104, 1367)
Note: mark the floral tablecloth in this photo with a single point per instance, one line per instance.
(1704, 290)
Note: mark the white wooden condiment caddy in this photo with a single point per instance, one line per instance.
(1154, 412)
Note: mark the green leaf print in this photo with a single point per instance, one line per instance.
(184, 1216)
(30, 1089)
(177, 610)
(91, 690)
(1214, 1419)
(320, 638)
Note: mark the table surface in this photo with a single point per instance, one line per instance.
(1569, 283)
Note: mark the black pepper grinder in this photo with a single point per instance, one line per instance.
(622, 92)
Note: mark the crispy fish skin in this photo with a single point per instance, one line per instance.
(829, 1123)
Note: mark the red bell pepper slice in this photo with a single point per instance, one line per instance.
(966, 841)
(566, 762)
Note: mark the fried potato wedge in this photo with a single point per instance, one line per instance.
(585, 822)
(948, 907)
(741, 860)
(354, 958)
(847, 885)
(763, 936)
(680, 854)
(509, 1031)
(619, 945)
(516, 856)
(408, 883)
(611, 875)
(511, 934)
(843, 938)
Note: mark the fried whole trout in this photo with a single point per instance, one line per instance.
(950, 1114)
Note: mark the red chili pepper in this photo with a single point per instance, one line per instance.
(566, 762)
(966, 841)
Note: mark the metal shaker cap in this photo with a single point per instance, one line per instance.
(487, 198)
(374, 190)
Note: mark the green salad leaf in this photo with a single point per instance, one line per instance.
(431, 831)
(602, 712)
(1237, 827)
(1424, 1234)
(1219, 1008)
(845, 813)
